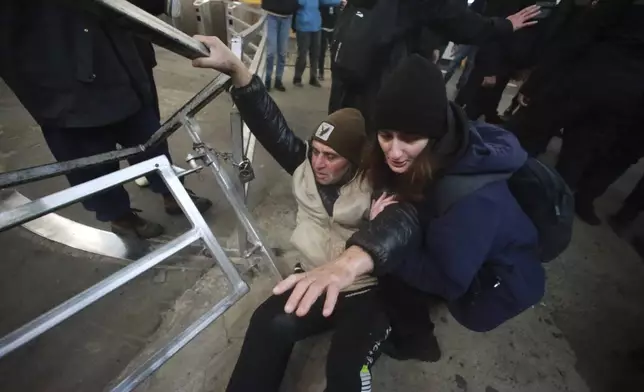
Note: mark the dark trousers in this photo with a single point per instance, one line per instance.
(478, 100)
(608, 166)
(308, 43)
(359, 324)
(325, 44)
(408, 311)
(73, 143)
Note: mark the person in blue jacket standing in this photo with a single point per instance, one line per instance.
(308, 26)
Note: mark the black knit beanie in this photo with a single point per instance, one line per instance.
(413, 99)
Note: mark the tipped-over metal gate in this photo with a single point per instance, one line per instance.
(203, 158)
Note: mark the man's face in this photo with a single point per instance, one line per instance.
(328, 166)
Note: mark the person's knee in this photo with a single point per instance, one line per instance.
(271, 319)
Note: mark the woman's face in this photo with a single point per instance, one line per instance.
(401, 149)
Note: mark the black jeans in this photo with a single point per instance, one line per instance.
(326, 39)
(360, 326)
(72, 143)
(308, 43)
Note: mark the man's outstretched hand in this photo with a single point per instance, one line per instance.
(524, 17)
(330, 278)
(222, 59)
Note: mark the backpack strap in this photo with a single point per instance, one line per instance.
(452, 188)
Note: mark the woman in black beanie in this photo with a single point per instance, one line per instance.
(479, 252)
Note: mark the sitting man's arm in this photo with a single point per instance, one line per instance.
(256, 107)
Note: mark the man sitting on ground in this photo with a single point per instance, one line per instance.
(332, 202)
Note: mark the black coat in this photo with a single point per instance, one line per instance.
(596, 46)
(70, 68)
(451, 19)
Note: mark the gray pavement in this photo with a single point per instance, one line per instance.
(580, 337)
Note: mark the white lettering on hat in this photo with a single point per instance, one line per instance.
(324, 131)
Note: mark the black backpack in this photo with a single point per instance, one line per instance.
(364, 35)
(540, 191)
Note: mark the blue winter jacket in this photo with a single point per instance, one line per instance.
(480, 255)
(308, 18)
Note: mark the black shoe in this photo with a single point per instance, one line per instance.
(321, 77)
(132, 225)
(586, 211)
(297, 83)
(423, 348)
(315, 83)
(279, 86)
(173, 208)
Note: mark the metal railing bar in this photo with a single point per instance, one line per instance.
(241, 22)
(233, 196)
(41, 172)
(156, 30)
(194, 216)
(77, 303)
(253, 47)
(50, 203)
(247, 33)
(161, 356)
(207, 94)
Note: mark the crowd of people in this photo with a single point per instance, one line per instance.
(313, 22)
(403, 197)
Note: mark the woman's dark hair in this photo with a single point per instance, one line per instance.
(409, 186)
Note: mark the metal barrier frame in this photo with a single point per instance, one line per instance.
(58, 200)
(243, 145)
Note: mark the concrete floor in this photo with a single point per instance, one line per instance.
(580, 338)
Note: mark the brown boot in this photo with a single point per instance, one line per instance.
(173, 208)
(132, 225)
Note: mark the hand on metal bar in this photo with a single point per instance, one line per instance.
(222, 59)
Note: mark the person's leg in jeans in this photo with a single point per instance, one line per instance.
(73, 143)
(459, 56)
(272, 44)
(136, 130)
(360, 328)
(314, 54)
(284, 28)
(303, 45)
(268, 343)
(325, 43)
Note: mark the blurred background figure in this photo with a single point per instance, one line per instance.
(278, 24)
(329, 16)
(591, 85)
(465, 52)
(308, 26)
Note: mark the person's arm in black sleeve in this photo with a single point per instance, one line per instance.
(266, 122)
(456, 22)
(257, 108)
(389, 237)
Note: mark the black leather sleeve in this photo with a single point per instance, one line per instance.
(456, 22)
(389, 236)
(266, 122)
